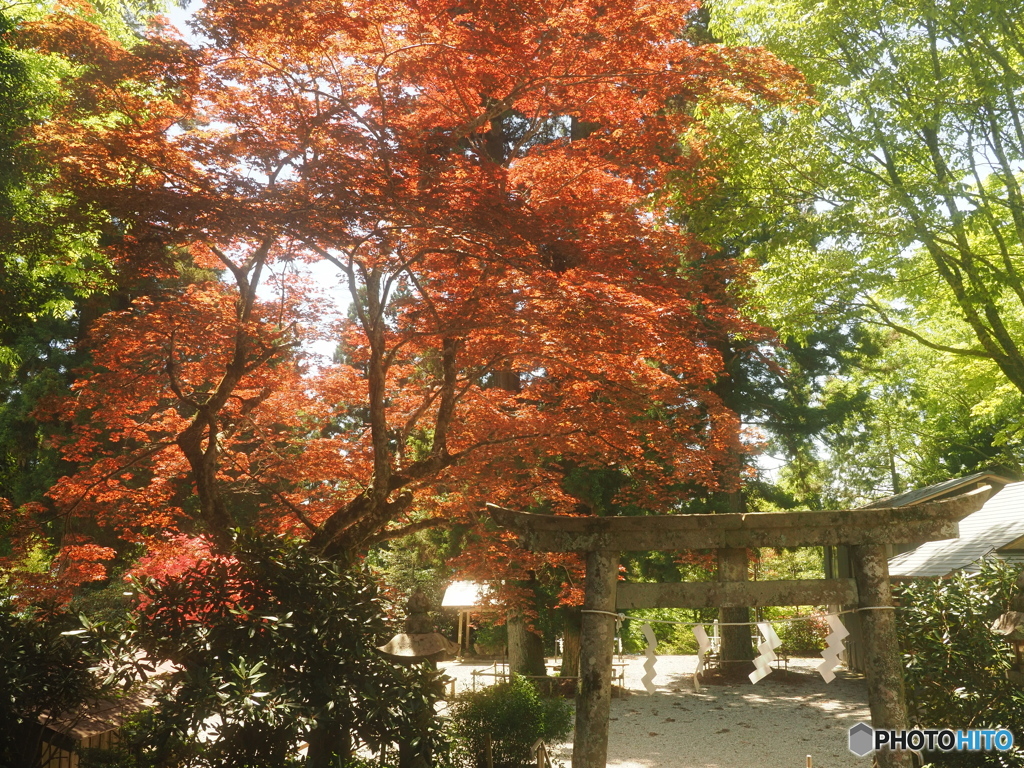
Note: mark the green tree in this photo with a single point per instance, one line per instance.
(54, 276)
(43, 267)
(924, 419)
(50, 248)
(907, 166)
(891, 202)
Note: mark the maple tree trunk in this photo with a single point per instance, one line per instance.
(203, 462)
(351, 528)
(571, 641)
(199, 442)
(525, 647)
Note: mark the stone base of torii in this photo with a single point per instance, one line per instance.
(867, 531)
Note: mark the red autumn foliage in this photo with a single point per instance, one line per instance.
(485, 178)
(497, 559)
(75, 562)
(169, 557)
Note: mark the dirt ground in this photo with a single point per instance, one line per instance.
(773, 724)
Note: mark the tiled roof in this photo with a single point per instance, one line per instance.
(934, 491)
(998, 523)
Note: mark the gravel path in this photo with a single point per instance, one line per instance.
(773, 724)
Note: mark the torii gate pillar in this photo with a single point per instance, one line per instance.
(883, 667)
(597, 644)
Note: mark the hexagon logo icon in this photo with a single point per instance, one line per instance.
(862, 739)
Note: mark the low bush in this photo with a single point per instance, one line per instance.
(514, 715)
(954, 665)
(805, 637)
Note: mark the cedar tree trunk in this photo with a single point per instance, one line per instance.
(571, 641)
(737, 649)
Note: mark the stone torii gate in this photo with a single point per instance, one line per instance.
(867, 531)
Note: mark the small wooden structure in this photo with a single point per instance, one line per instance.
(466, 597)
(94, 725)
(866, 531)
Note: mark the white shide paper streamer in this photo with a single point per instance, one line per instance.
(652, 644)
(833, 647)
(767, 650)
(830, 656)
(703, 646)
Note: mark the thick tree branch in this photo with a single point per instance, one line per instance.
(885, 320)
(390, 534)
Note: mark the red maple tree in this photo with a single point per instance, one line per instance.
(484, 177)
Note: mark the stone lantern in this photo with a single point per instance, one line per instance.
(1011, 626)
(419, 642)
